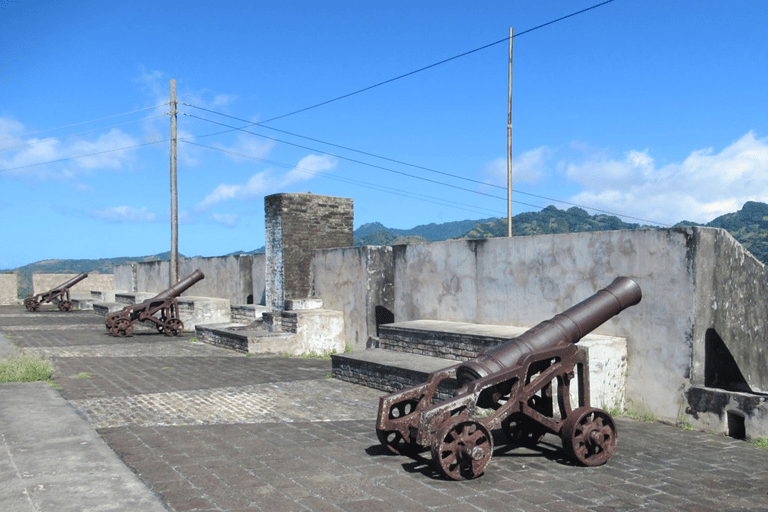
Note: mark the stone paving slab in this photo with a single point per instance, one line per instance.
(219, 431)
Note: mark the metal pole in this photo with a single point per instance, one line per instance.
(174, 263)
(509, 143)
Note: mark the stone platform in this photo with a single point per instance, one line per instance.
(409, 351)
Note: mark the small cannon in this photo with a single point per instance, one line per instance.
(58, 295)
(510, 386)
(161, 310)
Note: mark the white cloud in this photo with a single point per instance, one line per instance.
(265, 182)
(530, 167)
(118, 214)
(705, 185)
(54, 158)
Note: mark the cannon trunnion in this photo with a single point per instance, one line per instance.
(58, 295)
(162, 311)
(510, 387)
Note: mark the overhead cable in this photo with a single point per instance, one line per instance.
(402, 163)
(90, 121)
(85, 156)
(40, 141)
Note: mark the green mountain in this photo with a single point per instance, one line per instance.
(375, 233)
(749, 226)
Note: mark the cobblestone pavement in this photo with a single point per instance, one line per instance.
(213, 430)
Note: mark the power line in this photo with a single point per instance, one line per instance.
(464, 54)
(8, 148)
(373, 186)
(449, 59)
(341, 157)
(401, 163)
(412, 195)
(90, 121)
(85, 156)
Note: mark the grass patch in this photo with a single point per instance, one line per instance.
(759, 442)
(25, 367)
(83, 375)
(194, 340)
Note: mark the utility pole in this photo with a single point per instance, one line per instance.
(509, 143)
(174, 263)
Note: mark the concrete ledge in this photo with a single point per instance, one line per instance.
(102, 308)
(246, 313)
(733, 413)
(302, 304)
(317, 331)
(103, 295)
(129, 298)
(241, 338)
(203, 310)
(389, 371)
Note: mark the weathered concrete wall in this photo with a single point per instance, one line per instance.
(694, 281)
(8, 289)
(732, 299)
(354, 280)
(125, 277)
(42, 283)
(226, 277)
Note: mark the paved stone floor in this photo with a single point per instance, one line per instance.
(212, 430)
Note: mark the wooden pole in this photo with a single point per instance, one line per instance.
(509, 143)
(174, 263)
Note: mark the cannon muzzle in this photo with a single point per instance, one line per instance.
(567, 327)
(72, 282)
(180, 287)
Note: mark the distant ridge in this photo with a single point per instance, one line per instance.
(749, 226)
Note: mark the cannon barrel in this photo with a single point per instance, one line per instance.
(567, 327)
(72, 282)
(180, 287)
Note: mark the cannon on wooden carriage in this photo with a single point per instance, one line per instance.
(510, 387)
(162, 311)
(58, 295)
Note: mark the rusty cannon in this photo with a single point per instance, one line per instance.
(512, 388)
(162, 311)
(58, 295)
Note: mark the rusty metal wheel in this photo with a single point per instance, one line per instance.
(522, 431)
(589, 436)
(396, 443)
(31, 304)
(173, 327)
(65, 306)
(122, 327)
(463, 447)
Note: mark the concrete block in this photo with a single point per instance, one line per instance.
(203, 310)
(301, 304)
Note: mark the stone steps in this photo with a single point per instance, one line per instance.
(409, 351)
(302, 328)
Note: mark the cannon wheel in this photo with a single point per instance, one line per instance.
(589, 436)
(122, 327)
(173, 327)
(522, 431)
(462, 448)
(396, 443)
(31, 304)
(65, 306)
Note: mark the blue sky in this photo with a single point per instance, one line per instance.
(650, 110)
